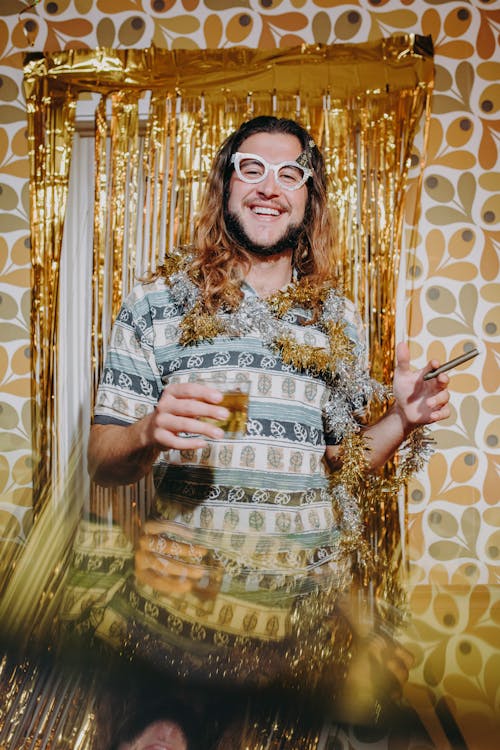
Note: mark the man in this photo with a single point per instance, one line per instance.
(250, 540)
(161, 735)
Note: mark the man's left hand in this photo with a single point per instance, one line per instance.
(419, 401)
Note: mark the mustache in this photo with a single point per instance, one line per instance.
(282, 208)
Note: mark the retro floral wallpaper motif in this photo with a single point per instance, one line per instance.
(450, 293)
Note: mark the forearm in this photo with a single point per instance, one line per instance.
(119, 455)
(416, 402)
(384, 437)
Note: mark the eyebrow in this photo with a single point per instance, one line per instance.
(274, 164)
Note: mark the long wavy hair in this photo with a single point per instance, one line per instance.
(219, 261)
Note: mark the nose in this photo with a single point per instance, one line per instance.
(269, 185)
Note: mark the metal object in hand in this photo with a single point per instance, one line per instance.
(452, 363)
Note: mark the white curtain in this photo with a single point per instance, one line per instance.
(73, 396)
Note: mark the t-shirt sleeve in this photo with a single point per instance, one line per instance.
(130, 384)
(355, 330)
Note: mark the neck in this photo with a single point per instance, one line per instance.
(267, 275)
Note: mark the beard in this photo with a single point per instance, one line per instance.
(288, 241)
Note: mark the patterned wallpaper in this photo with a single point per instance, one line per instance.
(452, 282)
(450, 291)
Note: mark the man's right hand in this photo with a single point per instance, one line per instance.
(178, 414)
(172, 567)
(119, 455)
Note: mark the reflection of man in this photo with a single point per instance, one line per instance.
(161, 734)
(246, 533)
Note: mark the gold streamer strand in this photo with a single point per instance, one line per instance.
(124, 148)
(131, 246)
(156, 159)
(99, 249)
(51, 122)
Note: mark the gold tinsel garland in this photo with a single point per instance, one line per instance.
(199, 325)
(302, 294)
(303, 356)
(354, 462)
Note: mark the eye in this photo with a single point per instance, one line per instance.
(251, 168)
(291, 174)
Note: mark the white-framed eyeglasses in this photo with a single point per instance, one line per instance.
(252, 168)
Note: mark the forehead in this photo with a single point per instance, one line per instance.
(160, 731)
(274, 147)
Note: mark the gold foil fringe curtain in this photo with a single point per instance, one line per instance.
(362, 104)
(50, 133)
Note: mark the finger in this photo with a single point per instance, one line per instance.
(168, 440)
(383, 649)
(164, 565)
(170, 585)
(187, 407)
(441, 398)
(437, 400)
(176, 443)
(442, 380)
(438, 416)
(390, 666)
(204, 588)
(439, 381)
(170, 431)
(180, 550)
(188, 416)
(188, 426)
(403, 356)
(193, 391)
(164, 527)
(431, 365)
(439, 405)
(377, 644)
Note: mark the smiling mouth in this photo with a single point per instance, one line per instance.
(264, 211)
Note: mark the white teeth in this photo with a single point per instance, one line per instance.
(268, 211)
